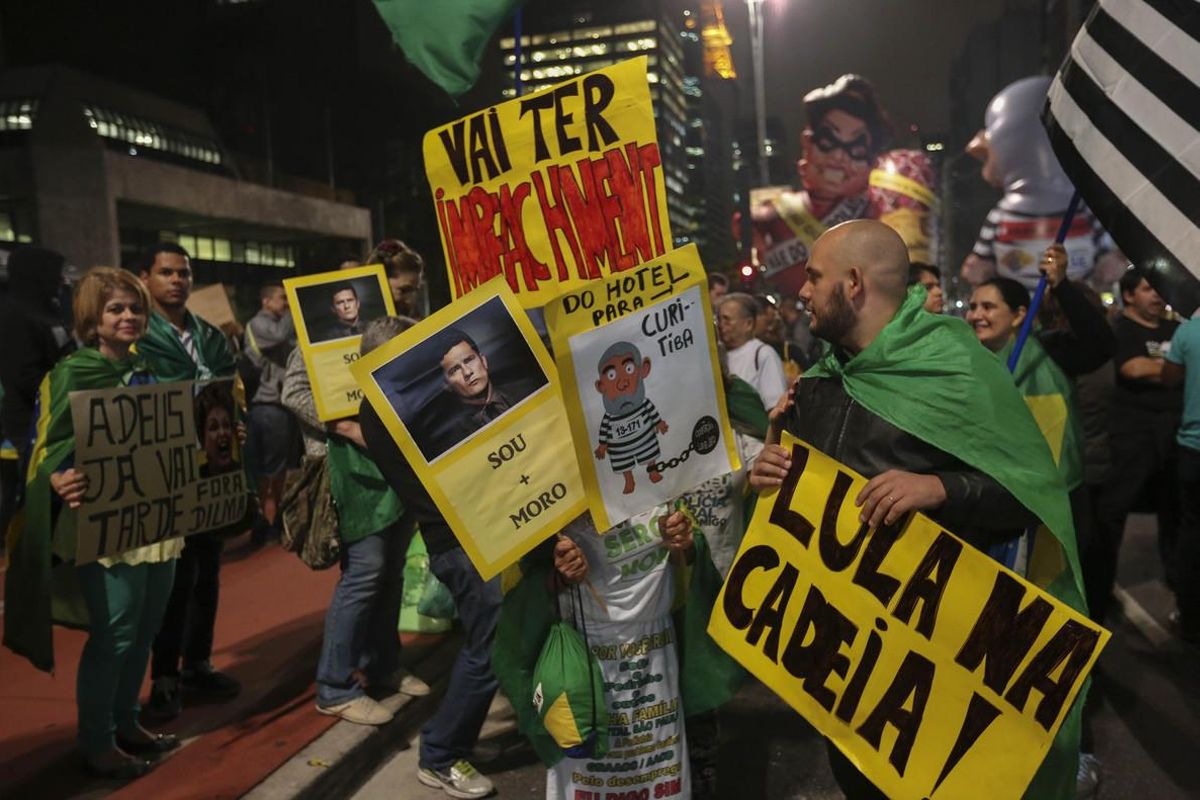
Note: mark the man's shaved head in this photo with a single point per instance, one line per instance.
(857, 279)
(874, 248)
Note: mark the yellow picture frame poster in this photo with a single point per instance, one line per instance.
(937, 671)
(553, 189)
(472, 399)
(637, 353)
(331, 310)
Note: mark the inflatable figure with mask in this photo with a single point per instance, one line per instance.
(1017, 158)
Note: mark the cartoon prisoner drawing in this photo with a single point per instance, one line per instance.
(631, 426)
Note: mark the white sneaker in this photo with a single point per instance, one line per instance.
(461, 780)
(361, 710)
(404, 682)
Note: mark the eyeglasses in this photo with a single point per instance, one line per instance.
(858, 149)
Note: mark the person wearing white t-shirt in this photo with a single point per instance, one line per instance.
(750, 359)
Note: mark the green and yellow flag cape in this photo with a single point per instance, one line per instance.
(1050, 395)
(929, 376)
(165, 354)
(29, 587)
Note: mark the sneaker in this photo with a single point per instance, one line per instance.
(1087, 777)
(403, 682)
(361, 710)
(461, 780)
(165, 702)
(202, 678)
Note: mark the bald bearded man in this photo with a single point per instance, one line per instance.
(906, 399)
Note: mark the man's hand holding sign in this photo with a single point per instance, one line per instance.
(932, 670)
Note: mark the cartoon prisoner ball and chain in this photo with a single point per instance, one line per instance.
(631, 425)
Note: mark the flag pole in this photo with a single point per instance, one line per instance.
(1031, 315)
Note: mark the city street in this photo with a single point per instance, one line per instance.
(1146, 727)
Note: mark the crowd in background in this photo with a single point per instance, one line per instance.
(1129, 424)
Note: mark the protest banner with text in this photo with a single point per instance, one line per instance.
(161, 461)
(937, 671)
(638, 358)
(331, 310)
(472, 399)
(553, 189)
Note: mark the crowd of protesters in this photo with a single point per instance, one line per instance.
(1128, 394)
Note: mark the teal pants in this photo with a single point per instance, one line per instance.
(125, 605)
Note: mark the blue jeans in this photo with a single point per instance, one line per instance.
(361, 623)
(453, 730)
(125, 607)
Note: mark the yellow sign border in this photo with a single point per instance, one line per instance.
(364, 368)
(325, 412)
(560, 336)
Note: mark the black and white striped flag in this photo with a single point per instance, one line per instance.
(1123, 115)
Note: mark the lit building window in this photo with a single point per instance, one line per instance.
(17, 115)
(138, 132)
(205, 248)
(641, 26)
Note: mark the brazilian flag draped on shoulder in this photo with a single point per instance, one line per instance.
(29, 588)
(445, 41)
(1050, 395)
(170, 361)
(929, 376)
(708, 676)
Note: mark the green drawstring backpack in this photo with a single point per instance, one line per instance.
(568, 688)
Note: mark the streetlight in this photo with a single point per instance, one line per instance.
(760, 102)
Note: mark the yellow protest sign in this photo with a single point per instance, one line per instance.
(552, 189)
(638, 357)
(331, 311)
(161, 462)
(472, 399)
(937, 671)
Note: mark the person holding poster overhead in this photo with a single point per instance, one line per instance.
(123, 597)
(911, 401)
(181, 346)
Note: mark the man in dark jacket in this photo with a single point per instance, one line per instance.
(856, 289)
(34, 336)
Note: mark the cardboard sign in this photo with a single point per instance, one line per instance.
(937, 671)
(331, 311)
(162, 461)
(553, 189)
(638, 357)
(471, 397)
(211, 303)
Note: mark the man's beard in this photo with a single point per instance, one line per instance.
(623, 404)
(836, 319)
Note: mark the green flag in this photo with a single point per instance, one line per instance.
(31, 574)
(1050, 395)
(445, 40)
(928, 375)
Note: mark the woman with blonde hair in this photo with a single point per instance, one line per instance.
(119, 600)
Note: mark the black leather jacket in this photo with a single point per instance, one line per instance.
(977, 507)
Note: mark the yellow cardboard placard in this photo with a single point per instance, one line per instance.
(553, 189)
(335, 392)
(661, 315)
(503, 487)
(937, 671)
